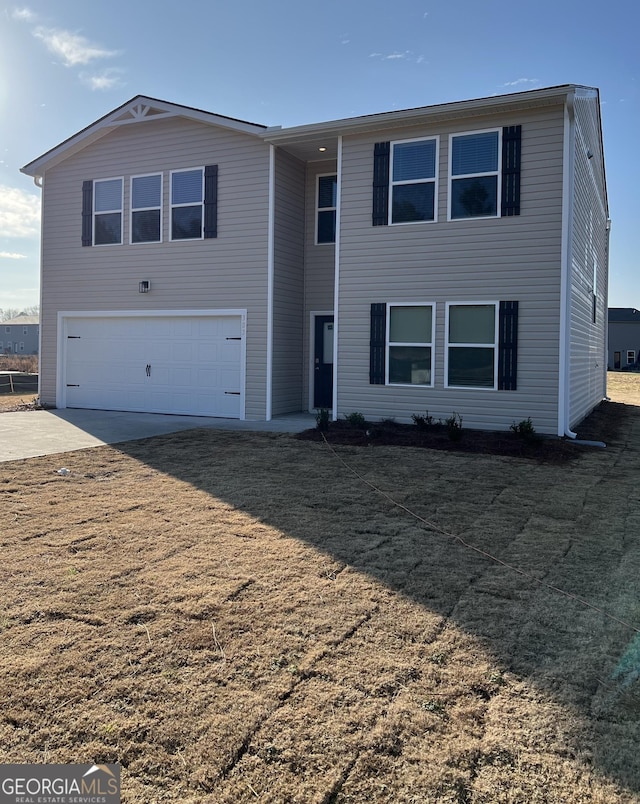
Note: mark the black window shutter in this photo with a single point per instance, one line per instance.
(211, 201)
(381, 153)
(511, 153)
(87, 213)
(377, 344)
(508, 346)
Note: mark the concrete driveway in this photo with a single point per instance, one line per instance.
(27, 434)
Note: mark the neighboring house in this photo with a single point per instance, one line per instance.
(445, 258)
(19, 336)
(624, 338)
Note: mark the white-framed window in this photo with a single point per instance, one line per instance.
(146, 208)
(107, 211)
(7, 330)
(22, 346)
(187, 204)
(413, 181)
(326, 199)
(410, 337)
(25, 331)
(631, 357)
(471, 355)
(474, 174)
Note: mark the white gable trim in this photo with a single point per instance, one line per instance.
(138, 110)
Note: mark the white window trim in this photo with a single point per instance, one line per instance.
(133, 209)
(497, 173)
(107, 212)
(173, 206)
(633, 357)
(494, 345)
(433, 181)
(430, 344)
(319, 209)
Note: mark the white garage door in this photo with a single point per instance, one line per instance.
(158, 364)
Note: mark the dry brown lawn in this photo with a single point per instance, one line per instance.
(243, 617)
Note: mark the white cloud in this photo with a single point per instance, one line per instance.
(72, 48)
(520, 81)
(405, 55)
(107, 79)
(19, 213)
(23, 14)
(9, 255)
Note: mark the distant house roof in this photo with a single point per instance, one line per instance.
(624, 314)
(21, 320)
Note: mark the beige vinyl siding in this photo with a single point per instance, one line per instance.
(513, 258)
(229, 271)
(319, 266)
(288, 285)
(588, 249)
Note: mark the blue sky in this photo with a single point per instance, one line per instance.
(64, 64)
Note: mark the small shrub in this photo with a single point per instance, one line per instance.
(356, 420)
(322, 419)
(454, 426)
(525, 430)
(422, 422)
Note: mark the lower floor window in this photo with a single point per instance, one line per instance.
(471, 345)
(410, 343)
(631, 357)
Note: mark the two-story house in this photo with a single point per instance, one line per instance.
(624, 338)
(444, 258)
(20, 335)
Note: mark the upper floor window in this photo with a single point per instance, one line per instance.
(187, 204)
(413, 180)
(107, 212)
(146, 208)
(410, 344)
(25, 331)
(475, 175)
(326, 209)
(472, 336)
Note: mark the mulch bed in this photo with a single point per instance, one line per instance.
(604, 424)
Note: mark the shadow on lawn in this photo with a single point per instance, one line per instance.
(573, 526)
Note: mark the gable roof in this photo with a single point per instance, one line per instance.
(624, 314)
(139, 109)
(21, 320)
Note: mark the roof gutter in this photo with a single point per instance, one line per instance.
(564, 374)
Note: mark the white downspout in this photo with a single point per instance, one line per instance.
(39, 182)
(270, 279)
(564, 373)
(336, 286)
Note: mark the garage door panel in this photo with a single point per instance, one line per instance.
(157, 364)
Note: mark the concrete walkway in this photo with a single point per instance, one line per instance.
(27, 434)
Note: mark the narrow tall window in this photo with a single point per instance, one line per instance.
(187, 200)
(326, 202)
(471, 345)
(475, 173)
(107, 212)
(146, 209)
(413, 181)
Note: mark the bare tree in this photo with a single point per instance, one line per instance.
(13, 312)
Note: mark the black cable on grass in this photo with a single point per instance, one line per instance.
(433, 526)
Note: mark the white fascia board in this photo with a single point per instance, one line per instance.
(446, 111)
(140, 109)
